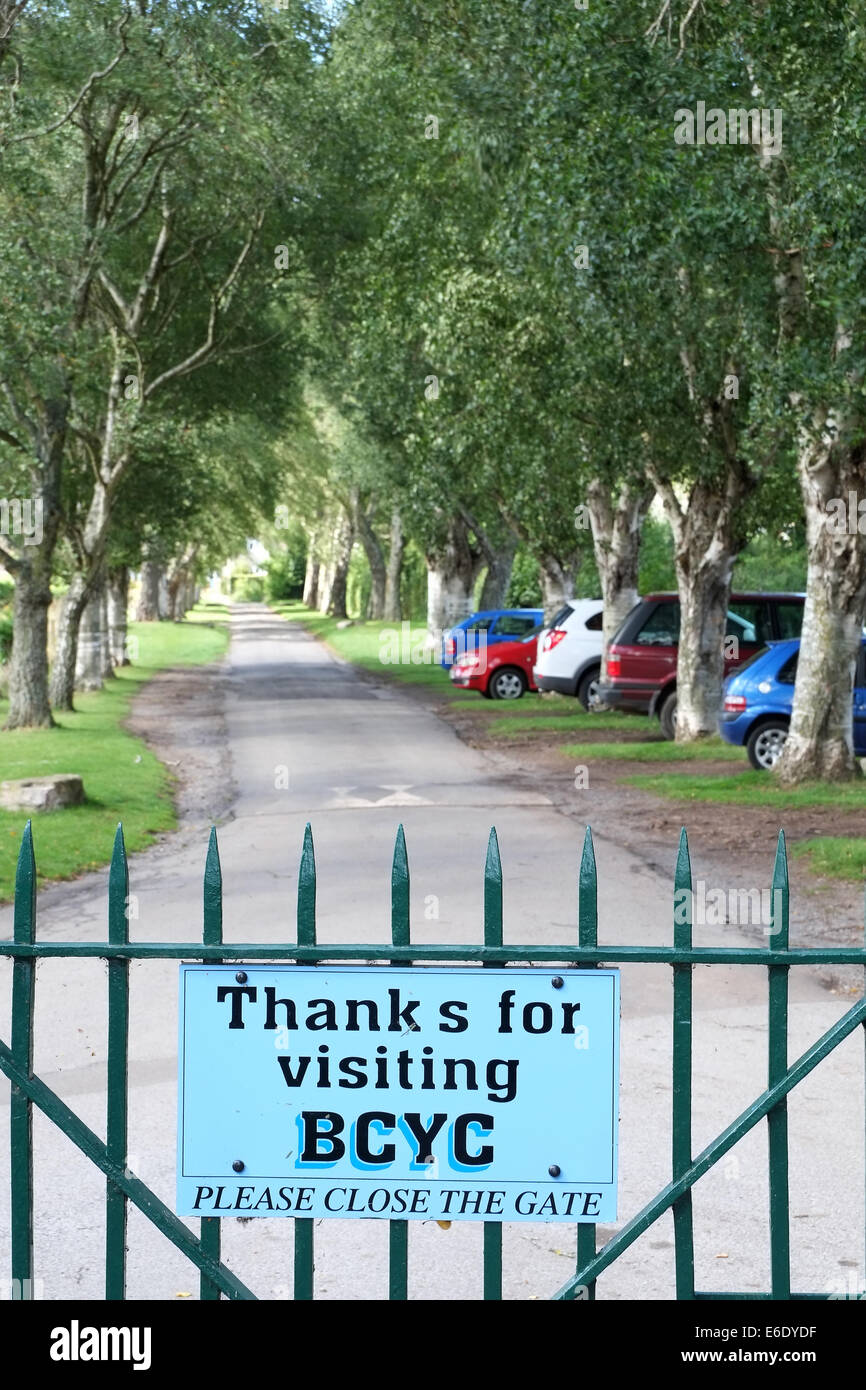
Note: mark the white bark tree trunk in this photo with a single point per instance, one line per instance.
(92, 640)
(344, 539)
(558, 579)
(147, 608)
(498, 577)
(820, 741)
(453, 567)
(707, 539)
(393, 610)
(118, 600)
(616, 530)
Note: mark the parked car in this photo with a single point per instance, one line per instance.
(569, 651)
(641, 675)
(759, 698)
(487, 628)
(502, 672)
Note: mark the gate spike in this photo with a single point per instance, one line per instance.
(400, 891)
(25, 880)
(779, 927)
(683, 871)
(587, 893)
(493, 891)
(307, 891)
(118, 889)
(213, 891)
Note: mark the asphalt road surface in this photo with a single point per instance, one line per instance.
(360, 758)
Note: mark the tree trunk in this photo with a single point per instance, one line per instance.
(393, 609)
(558, 579)
(31, 568)
(311, 580)
(453, 567)
(107, 661)
(820, 742)
(498, 577)
(616, 543)
(163, 603)
(66, 651)
(28, 667)
(375, 558)
(708, 537)
(89, 659)
(147, 610)
(118, 601)
(344, 539)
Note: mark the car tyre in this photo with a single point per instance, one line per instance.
(765, 744)
(587, 687)
(507, 684)
(668, 716)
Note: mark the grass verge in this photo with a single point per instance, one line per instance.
(750, 788)
(661, 751)
(122, 779)
(834, 856)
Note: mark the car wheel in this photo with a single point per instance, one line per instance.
(507, 684)
(765, 744)
(587, 688)
(668, 715)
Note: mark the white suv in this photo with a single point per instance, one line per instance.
(569, 651)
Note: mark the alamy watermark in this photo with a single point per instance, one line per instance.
(22, 516)
(737, 126)
(718, 907)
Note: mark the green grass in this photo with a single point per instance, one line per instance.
(515, 724)
(750, 788)
(661, 751)
(122, 779)
(834, 856)
(376, 646)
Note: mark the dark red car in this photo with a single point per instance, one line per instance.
(502, 671)
(642, 661)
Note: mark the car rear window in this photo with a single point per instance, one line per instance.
(749, 622)
(662, 627)
(789, 617)
(595, 622)
(562, 616)
(479, 625)
(751, 659)
(513, 625)
(787, 673)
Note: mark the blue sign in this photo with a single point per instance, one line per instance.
(446, 1094)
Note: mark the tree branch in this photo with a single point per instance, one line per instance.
(85, 90)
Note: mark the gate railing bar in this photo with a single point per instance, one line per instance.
(587, 936)
(305, 1260)
(681, 1084)
(117, 1065)
(777, 1065)
(717, 1149)
(398, 1231)
(492, 1237)
(212, 935)
(511, 954)
(21, 1111)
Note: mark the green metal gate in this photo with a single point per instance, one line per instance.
(122, 1187)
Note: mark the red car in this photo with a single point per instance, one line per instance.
(642, 661)
(502, 671)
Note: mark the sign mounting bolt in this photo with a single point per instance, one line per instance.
(557, 982)
(239, 1165)
(554, 1170)
(241, 977)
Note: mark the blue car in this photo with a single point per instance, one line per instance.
(759, 697)
(489, 626)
